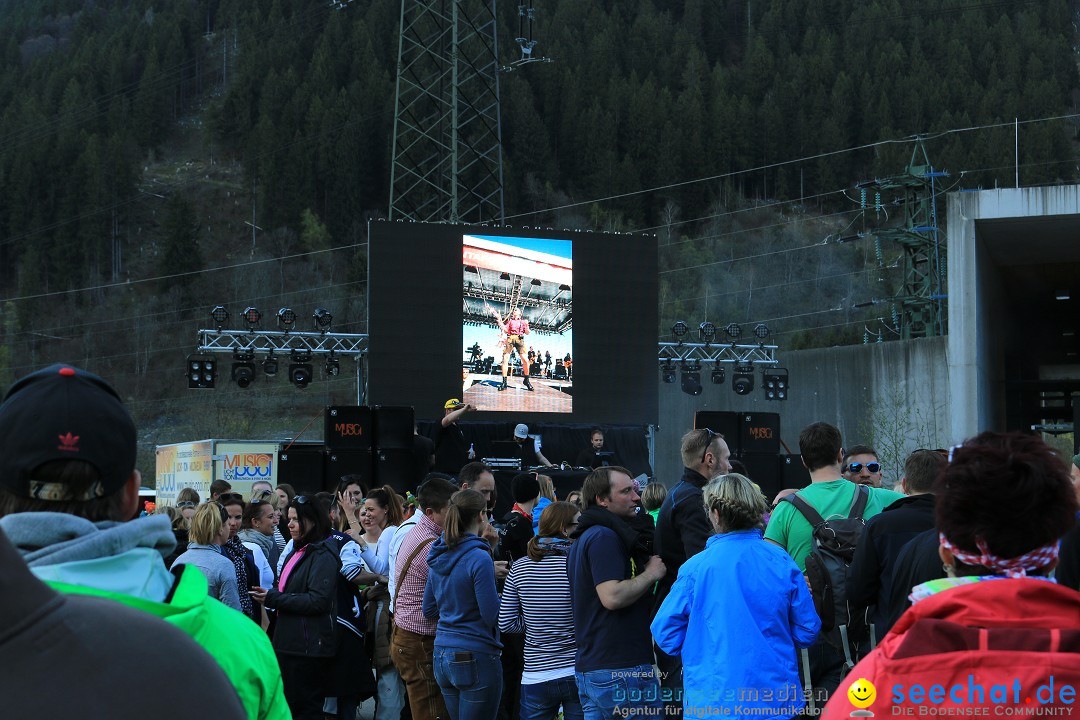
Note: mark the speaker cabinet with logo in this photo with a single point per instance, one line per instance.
(348, 462)
(396, 468)
(725, 423)
(394, 427)
(302, 467)
(347, 427)
(759, 433)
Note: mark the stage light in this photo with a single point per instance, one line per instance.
(270, 365)
(252, 318)
(564, 287)
(323, 318)
(761, 331)
(220, 315)
(718, 375)
(679, 330)
(706, 332)
(504, 276)
(243, 368)
(201, 371)
(742, 379)
(300, 369)
(774, 382)
(333, 366)
(691, 379)
(536, 283)
(733, 330)
(286, 318)
(669, 372)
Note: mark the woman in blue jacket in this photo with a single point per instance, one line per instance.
(460, 592)
(739, 599)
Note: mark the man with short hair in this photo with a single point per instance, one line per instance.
(683, 528)
(451, 448)
(831, 495)
(68, 488)
(861, 465)
(870, 574)
(413, 645)
(612, 569)
(590, 457)
(478, 476)
(217, 488)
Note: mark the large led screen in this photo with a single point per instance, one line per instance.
(442, 305)
(517, 324)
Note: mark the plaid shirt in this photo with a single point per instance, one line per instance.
(409, 595)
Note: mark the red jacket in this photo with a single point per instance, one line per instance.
(976, 650)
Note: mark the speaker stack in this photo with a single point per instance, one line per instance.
(394, 461)
(348, 431)
(754, 440)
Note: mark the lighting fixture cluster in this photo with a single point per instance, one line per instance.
(286, 318)
(707, 332)
(202, 369)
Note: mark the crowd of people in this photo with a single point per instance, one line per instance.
(700, 599)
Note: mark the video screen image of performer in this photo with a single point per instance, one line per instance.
(514, 330)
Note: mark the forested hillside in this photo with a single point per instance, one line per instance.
(141, 140)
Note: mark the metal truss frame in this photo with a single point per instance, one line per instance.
(731, 353)
(280, 341)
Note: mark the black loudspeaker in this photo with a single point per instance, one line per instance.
(793, 472)
(347, 427)
(348, 462)
(725, 423)
(302, 466)
(394, 427)
(764, 469)
(759, 433)
(396, 468)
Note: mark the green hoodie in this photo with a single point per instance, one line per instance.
(239, 645)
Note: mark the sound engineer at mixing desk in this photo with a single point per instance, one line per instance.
(530, 454)
(595, 455)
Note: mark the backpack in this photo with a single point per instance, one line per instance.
(827, 565)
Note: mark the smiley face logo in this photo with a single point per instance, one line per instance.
(862, 693)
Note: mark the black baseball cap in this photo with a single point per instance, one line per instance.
(64, 413)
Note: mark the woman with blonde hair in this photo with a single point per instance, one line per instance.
(209, 532)
(461, 594)
(547, 496)
(739, 598)
(536, 601)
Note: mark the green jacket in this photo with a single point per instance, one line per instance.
(240, 646)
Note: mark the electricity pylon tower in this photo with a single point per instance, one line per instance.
(447, 151)
(922, 296)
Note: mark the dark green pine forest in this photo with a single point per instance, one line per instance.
(157, 158)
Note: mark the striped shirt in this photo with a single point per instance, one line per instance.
(409, 597)
(536, 598)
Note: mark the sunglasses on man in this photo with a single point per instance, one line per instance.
(856, 468)
(708, 442)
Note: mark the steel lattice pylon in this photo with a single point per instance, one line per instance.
(447, 155)
(921, 298)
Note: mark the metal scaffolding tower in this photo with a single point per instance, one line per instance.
(447, 151)
(922, 295)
